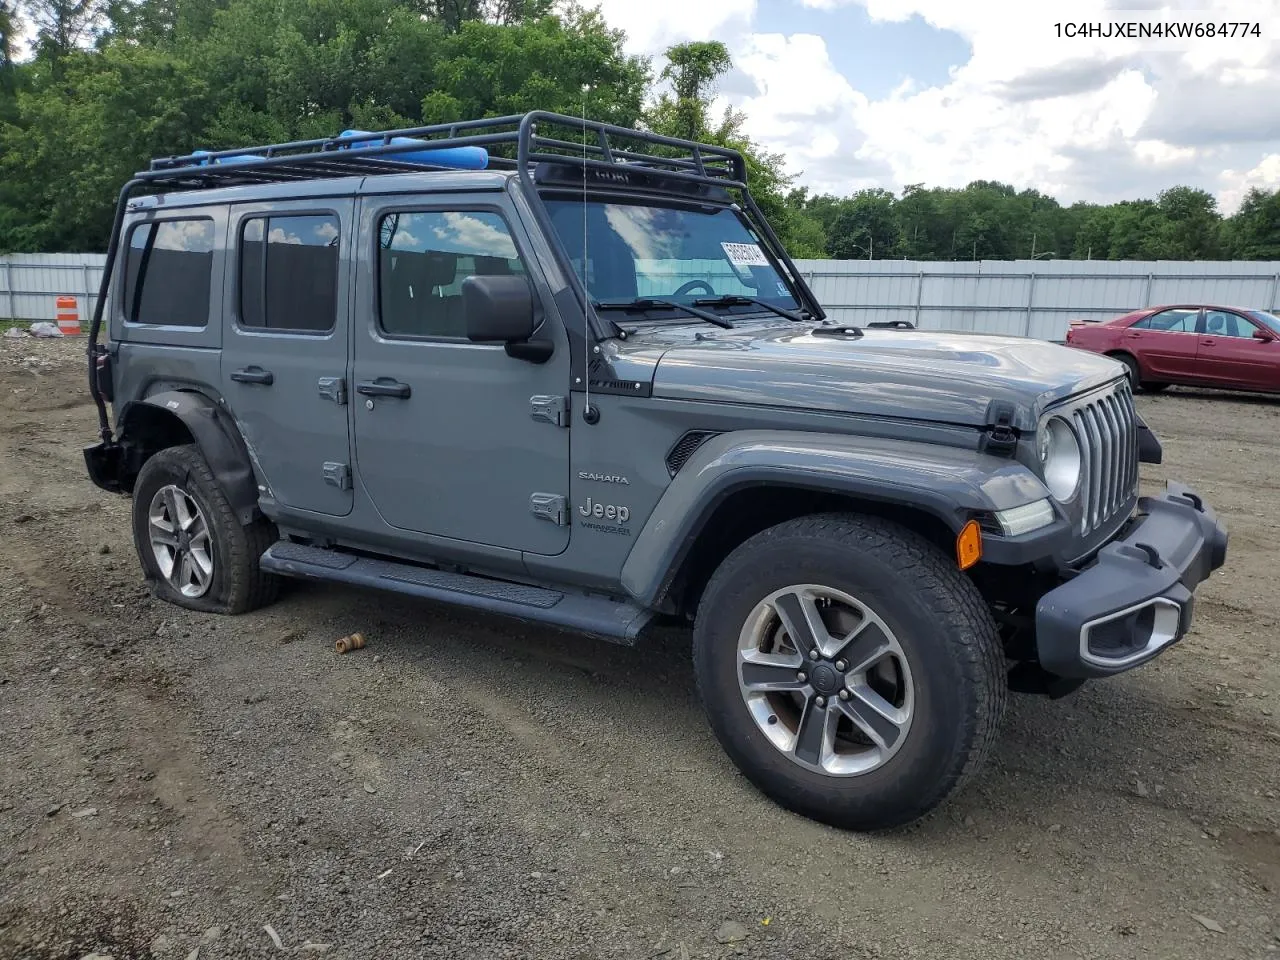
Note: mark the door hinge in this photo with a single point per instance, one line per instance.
(550, 410)
(1001, 439)
(334, 388)
(337, 475)
(550, 506)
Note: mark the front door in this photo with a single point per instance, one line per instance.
(1165, 343)
(284, 356)
(446, 440)
(1231, 356)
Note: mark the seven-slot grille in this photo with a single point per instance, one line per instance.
(1108, 433)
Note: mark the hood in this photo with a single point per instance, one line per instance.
(911, 374)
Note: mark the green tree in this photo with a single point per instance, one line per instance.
(83, 137)
(692, 70)
(866, 227)
(491, 69)
(10, 27)
(1192, 224)
(63, 26)
(1253, 233)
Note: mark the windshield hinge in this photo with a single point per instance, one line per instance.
(1001, 439)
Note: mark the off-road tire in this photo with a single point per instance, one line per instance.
(238, 583)
(947, 632)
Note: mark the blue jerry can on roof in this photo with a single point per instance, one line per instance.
(461, 158)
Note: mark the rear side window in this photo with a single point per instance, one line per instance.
(168, 272)
(1170, 321)
(423, 258)
(289, 273)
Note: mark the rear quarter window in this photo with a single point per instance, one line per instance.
(168, 272)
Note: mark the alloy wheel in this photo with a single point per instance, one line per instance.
(180, 541)
(825, 680)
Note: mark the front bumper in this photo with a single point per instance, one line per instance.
(1136, 598)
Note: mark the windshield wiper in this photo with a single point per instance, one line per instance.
(738, 300)
(645, 303)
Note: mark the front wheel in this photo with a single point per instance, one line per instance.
(851, 671)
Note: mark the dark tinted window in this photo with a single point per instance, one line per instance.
(423, 259)
(168, 272)
(289, 273)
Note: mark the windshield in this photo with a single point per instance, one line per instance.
(647, 251)
(1268, 320)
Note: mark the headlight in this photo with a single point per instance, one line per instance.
(1060, 455)
(1030, 516)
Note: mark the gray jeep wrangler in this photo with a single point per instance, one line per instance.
(564, 371)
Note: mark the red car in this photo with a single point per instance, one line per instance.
(1195, 345)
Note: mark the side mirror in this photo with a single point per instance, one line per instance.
(1262, 335)
(498, 309)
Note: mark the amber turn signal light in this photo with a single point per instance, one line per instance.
(969, 545)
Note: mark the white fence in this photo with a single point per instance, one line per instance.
(30, 283)
(1033, 298)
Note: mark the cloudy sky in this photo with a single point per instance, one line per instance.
(860, 93)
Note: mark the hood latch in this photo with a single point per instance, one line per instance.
(1000, 440)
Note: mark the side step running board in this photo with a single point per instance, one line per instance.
(595, 616)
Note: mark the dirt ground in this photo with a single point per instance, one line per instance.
(173, 784)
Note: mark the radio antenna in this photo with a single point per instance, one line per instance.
(588, 412)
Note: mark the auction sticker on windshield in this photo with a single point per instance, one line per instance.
(745, 254)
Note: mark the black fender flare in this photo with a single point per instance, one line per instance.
(950, 484)
(218, 438)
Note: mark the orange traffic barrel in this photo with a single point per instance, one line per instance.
(68, 316)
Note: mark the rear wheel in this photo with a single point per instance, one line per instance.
(193, 550)
(1135, 374)
(850, 670)
(1131, 369)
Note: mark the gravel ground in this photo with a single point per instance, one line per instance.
(177, 785)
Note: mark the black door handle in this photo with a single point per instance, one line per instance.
(254, 375)
(383, 388)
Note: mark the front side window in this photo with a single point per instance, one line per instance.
(1223, 323)
(289, 273)
(168, 272)
(635, 250)
(423, 258)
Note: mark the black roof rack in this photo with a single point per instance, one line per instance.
(547, 150)
(518, 142)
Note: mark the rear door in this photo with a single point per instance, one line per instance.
(284, 356)
(1165, 343)
(1229, 355)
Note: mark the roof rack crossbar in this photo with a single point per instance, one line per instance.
(648, 159)
(511, 141)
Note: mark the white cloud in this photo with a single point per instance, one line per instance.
(1265, 176)
(1082, 117)
(801, 106)
(654, 25)
(473, 234)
